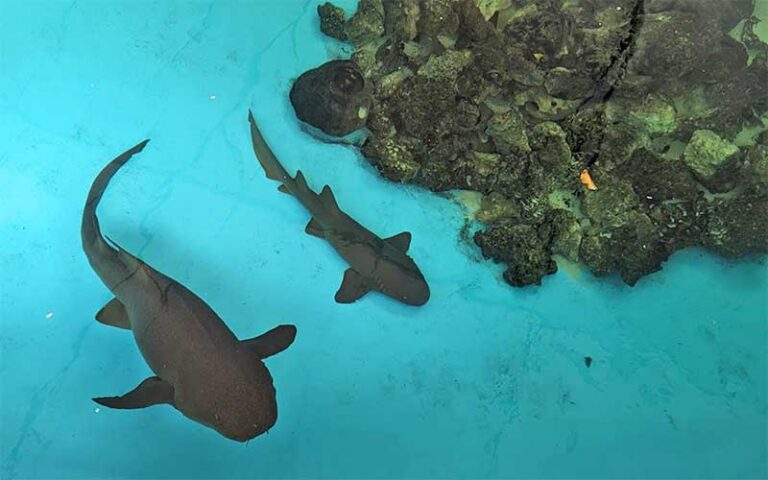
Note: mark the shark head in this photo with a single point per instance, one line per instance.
(397, 273)
(239, 401)
(252, 411)
(240, 407)
(382, 266)
(402, 283)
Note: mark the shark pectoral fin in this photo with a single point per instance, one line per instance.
(271, 342)
(152, 391)
(314, 228)
(352, 287)
(283, 188)
(401, 241)
(114, 314)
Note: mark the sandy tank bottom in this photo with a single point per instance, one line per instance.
(483, 381)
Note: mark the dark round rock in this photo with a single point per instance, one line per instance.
(333, 97)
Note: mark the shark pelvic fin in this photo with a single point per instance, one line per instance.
(114, 314)
(271, 342)
(152, 391)
(283, 188)
(401, 241)
(314, 228)
(352, 287)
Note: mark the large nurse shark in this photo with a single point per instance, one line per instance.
(200, 367)
(376, 264)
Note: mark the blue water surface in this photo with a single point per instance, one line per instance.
(483, 381)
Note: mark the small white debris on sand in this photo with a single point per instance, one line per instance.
(49, 315)
(96, 410)
(212, 97)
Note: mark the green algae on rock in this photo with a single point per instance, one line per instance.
(367, 24)
(332, 21)
(706, 152)
(518, 100)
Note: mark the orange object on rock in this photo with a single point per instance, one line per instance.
(586, 179)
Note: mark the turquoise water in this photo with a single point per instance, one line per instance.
(483, 381)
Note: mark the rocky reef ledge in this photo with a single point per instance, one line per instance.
(608, 132)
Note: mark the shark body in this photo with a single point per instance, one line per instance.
(200, 366)
(375, 264)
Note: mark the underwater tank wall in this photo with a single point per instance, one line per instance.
(581, 377)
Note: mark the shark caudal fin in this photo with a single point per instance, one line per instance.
(102, 179)
(267, 159)
(103, 257)
(90, 227)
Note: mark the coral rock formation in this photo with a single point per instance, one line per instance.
(522, 100)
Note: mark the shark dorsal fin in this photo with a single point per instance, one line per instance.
(401, 241)
(114, 314)
(271, 342)
(301, 181)
(326, 196)
(132, 264)
(352, 287)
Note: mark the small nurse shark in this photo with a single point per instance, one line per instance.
(200, 367)
(375, 264)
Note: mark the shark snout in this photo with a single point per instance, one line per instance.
(245, 425)
(243, 407)
(248, 432)
(416, 294)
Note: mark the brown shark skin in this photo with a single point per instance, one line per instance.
(202, 369)
(377, 264)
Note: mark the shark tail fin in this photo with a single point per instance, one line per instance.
(267, 159)
(90, 231)
(102, 180)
